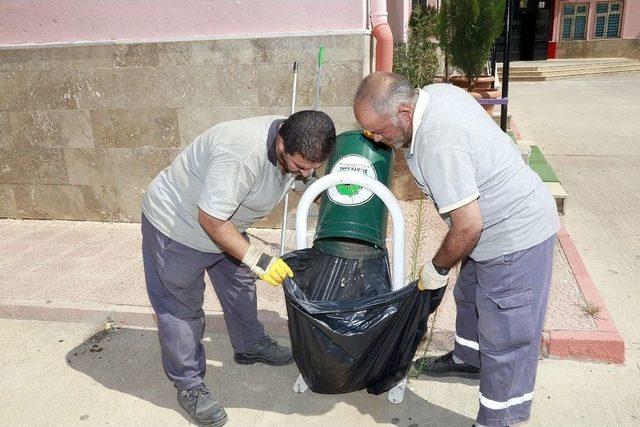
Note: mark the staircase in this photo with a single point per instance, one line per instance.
(555, 69)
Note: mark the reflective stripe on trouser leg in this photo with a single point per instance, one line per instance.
(512, 300)
(464, 293)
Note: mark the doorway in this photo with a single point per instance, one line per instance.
(530, 31)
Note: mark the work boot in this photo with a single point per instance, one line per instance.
(445, 366)
(265, 351)
(203, 408)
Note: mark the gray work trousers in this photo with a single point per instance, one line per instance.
(174, 274)
(501, 304)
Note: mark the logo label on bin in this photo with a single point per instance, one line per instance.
(351, 194)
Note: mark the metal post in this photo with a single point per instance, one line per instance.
(319, 76)
(283, 232)
(505, 64)
(493, 65)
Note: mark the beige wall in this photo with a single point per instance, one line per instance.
(617, 48)
(83, 129)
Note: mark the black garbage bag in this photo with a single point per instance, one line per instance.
(348, 330)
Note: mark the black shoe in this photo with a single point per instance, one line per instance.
(202, 406)
(444, 366)
(265, 351)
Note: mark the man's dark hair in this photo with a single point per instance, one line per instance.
(310, 134)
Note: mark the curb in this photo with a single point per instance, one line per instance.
(605, 344)
(513, 128)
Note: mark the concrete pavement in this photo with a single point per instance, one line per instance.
(63, 383)
(588, 130)
(56, 380)
(90, 271)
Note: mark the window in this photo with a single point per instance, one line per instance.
(574, 21)
(608, 16)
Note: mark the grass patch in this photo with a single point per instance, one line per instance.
(417, 239)
(539, 164)
(590, 309)
(416, 242)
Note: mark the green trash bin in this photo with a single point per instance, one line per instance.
(352, 221)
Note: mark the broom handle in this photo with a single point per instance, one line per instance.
(286, 196)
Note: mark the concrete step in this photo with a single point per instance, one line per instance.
(538, 65)
(633, 68)
(555, 188)
(565, 75)
(496, 117)
(556, 70)
(568, 70)
(572, 66)
(559, 195)
(518, 72)
(527, 78)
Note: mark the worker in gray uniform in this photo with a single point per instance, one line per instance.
(502, 226)
(195, 213)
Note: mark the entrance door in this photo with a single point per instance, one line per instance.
(527, 17)
(534, 29)
(541, 39)
(530, 31)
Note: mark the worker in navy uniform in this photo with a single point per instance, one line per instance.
(195, 213)
(502, 226)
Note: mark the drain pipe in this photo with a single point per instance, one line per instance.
(382, 33)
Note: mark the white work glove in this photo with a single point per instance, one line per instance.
(271, 269)
(430, 278)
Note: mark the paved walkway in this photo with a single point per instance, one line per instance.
(92, 270)
(588, 130)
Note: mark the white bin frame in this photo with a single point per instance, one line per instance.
(396, 394)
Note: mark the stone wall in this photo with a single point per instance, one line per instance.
(84, 129)
(612, 48)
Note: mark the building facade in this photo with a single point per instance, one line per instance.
(595, 28)
(549, 29)
(97, 97)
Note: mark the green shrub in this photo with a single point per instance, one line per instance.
(467, 30)
(417, 60)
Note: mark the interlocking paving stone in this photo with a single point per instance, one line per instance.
(74, 261)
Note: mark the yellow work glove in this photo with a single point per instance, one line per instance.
(271, 269)
(367, 134)
(430, 278)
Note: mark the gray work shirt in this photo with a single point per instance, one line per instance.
(461, 155)
(230, 172)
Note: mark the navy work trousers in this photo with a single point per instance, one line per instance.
(174, 275)
(501, 304)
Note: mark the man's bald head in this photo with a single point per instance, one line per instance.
(383, 106)
(384, 93)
